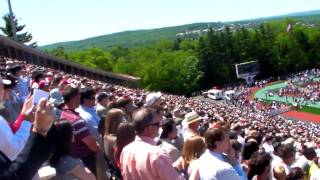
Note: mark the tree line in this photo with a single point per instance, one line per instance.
(186, 65)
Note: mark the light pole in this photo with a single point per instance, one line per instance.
(13, 25)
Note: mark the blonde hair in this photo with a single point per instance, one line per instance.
(193, 148)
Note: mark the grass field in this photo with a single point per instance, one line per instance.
(312, 110)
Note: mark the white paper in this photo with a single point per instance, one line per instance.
(38, 94)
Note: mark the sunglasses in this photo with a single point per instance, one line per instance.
(157, 124)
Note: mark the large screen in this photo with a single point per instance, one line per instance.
(247, 69)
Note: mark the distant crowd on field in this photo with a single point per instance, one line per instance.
(88, 129)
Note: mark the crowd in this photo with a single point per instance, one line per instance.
(89, 129)
(302, 87)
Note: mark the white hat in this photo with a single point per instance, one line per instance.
(192, 117)
(152, 97)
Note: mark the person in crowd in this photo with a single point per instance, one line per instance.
(153, 100)
(22, 88)
(13, 143)
(169, 140)
(287, 154)
(112, 121)
(62, 160)
(311, 156)
(267, 145)
(296, 173)
(127, 106)
(87, 112)
(186, 165)
(37, 150)
(154, 163)
(125, 135)
(85, 146)
(249, 149)
(192, 121)
(213, 164)
(259, 166)
(102, 104)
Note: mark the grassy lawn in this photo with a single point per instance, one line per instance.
(312, 110)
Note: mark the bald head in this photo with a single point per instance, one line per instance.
(142, 118)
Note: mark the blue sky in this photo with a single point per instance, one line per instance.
(52, 21)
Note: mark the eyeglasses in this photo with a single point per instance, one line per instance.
(157, 124)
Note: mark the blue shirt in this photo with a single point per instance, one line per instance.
(213, 166)
(90, 115)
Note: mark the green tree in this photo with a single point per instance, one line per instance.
(22, 37)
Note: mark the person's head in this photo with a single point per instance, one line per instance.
(296, 173)
(125, 135)
(259, 164)
(153, 100)
(249, 149)
(63, 138)
(126, 104)
(193, 148)
(236, 146)
(87, 97)
(287, 153)
(269, 140)
(71, 96)
(112, 120)
(55, 82)
(15, 70)
(169, 130)
(103, 99)
(193, 120)
(217, 140)
(310, 154)
(2, 82)
(146, 123)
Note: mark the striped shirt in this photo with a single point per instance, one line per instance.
(80, 131)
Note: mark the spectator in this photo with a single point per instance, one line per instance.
(62, 160)
(287, 154)
(102, 103)
(192, 120)
(296, 174)
(311, 155)
(212, 164)
(112, 120)
(126, 105)
(259, 166)
(85, 145)
(88, 113)
(12, 144)
(193, 148)
(154, 163)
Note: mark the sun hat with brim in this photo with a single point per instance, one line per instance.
(192, 117)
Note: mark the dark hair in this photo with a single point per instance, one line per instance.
(249, 149)
(167, 128)
(309, 153)
(63, 139)
(236, 145)
(142, 118)
(101, 96)
(125, 135)
(213, 135)
(69, 92)
(286, 151)
(87, 93)
(258, 162)
(295, 173)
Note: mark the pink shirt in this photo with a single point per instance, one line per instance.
(142, 159)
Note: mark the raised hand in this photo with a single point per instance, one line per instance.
(27, 109)
(44, 117)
